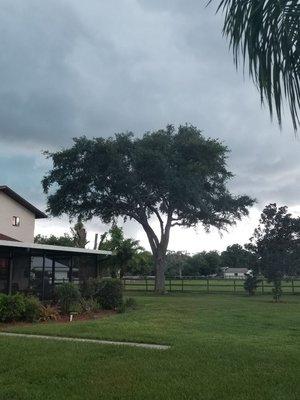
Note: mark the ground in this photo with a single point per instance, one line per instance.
(222, 347)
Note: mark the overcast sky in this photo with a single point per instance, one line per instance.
(70, 67)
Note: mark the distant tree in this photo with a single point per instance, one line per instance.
(276, 245)
(64, 240)
(265, 35)
(235, 256)
(178, 177)
(141, 264)
(77, 238)
(123, 251)
(203, 264)
(176, 262)
(213, 259)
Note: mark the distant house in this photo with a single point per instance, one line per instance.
(37, 268)
(235, 273)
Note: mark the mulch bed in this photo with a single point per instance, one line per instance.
(65, 319)
(86, 317)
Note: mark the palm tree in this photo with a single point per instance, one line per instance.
(266, 35)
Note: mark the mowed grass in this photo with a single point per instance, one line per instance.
(222, 347)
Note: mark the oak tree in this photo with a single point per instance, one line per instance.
(177, 177)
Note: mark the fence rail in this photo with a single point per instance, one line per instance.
(198, 285)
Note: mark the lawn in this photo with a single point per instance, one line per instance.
(222, 347)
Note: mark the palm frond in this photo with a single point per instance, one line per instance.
(266, 35)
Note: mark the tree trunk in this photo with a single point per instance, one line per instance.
(160, 262)
(159, 251)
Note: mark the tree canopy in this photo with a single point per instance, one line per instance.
(276, 243)
(235, 256)
(265, 33)
(203, 264)
(178, 177)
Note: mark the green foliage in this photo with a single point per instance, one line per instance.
(89, 288)
(18, 307)
(235, 256)
(106, 292)
(48, 313)
(12, 307)
(89, 305)
(275, 243)
(65, 240)
(202, 264)
(176, 263)
(251, 283)
(68, 297)
(177, 176)
(32, 309)
(277, 290)
(110, 294)
(266, 35)
(141, 264)
(124, 251)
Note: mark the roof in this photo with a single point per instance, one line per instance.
(236, 270)
(15, 196)
(47, 247)
(4, 237)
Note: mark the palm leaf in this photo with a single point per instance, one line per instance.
(266, 35)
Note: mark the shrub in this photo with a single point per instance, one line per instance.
(32, 309)
(89, 287)
(251, 283)
(277, 290)
(89, 305)
(130, 303)
(110, 294)
(48, 313)
(68, 297)
(18, 307)
(12, 307)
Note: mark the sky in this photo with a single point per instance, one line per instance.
(100, 67)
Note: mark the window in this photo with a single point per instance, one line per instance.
(16, 221)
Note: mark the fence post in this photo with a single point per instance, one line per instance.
(293, 287)
(207, 285)
(124, 283)
(170, 285)
(262, 287)
(182, 284)
(234, 286)
(146, 284)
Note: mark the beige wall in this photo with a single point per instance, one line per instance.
(10, 208)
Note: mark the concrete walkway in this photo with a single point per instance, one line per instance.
(95, 341)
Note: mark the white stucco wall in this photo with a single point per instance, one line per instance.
(10, 208)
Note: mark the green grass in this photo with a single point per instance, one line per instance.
(223, 347)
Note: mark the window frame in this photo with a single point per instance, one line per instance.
(16, 221)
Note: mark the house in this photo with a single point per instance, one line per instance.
(36, 268)
(17, 216)
(235, 273)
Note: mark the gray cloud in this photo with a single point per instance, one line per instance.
(69, 68)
